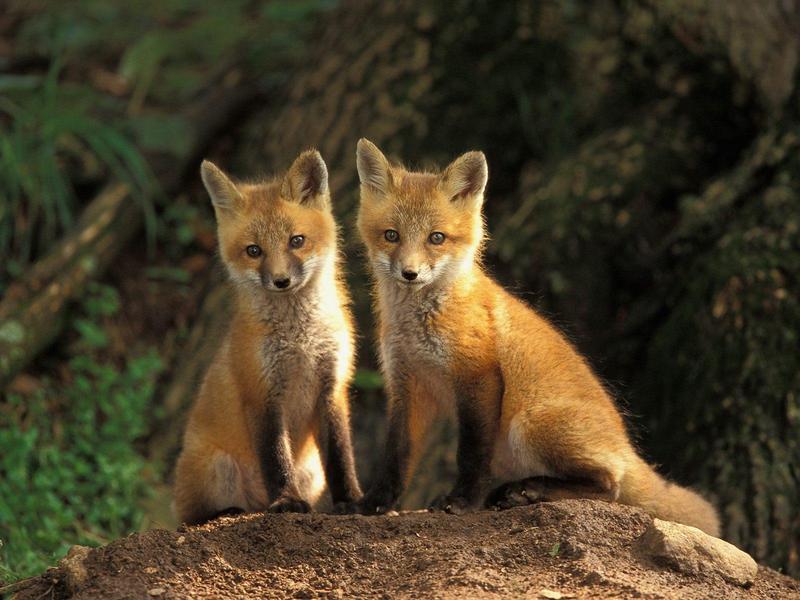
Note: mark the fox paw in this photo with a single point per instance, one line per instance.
(452, 504)
(347, 507)
(289, 504)
(370, 506)
(515, 493)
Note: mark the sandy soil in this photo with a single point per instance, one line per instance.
(577, 548)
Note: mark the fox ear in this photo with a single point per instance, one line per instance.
(224, 193)
(465, 178)
(306, 181)
(373, 168)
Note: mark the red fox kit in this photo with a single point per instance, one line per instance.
(531, 414)
(270, 423)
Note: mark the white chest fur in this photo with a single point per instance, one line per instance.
(308, 349)
(409, 328)
(412, 344)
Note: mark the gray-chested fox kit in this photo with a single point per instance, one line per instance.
(531, 414)
(270, 424)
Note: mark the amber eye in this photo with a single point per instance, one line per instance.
(253, 251)
(436, 238)
(391, 235)
(297, 241)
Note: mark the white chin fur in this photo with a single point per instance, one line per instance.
(415, 284)
(446, 270)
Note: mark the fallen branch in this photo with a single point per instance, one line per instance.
(32, 314)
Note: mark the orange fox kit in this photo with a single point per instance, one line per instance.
(531, 414)
(270, 424)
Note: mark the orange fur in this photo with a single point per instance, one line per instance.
(276, 349)
(464, 340)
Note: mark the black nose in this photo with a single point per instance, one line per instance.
(410, 275)
(282, 283)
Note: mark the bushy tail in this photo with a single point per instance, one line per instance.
(643, 487)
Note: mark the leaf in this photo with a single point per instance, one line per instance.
(91, 334)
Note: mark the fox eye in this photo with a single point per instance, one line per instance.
(436, 238)
(253, 251)
(297, 241)
(391, 235)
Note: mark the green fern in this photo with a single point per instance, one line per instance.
(47, 133)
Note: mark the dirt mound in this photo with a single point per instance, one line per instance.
(579, 549)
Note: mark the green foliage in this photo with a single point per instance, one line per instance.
(160, 133)
(56, 134)
(48, 139)
(69, 470)
(169, 50)
(70, 473)
(177, 227)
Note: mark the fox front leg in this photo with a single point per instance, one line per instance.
(411, 412)
(277, 463)
(384, 493)
(478, 419)
(340, 468)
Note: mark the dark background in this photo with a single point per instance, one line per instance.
(644, 193)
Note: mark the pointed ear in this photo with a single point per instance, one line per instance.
(224, 193)
(465, 178)
(373, 168)
(306, 181)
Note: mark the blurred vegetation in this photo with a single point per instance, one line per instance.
(72, 472)
(92, 92)
(645, 168)
(107, 83)
(50, 139)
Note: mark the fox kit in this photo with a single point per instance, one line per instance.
(270, 423)
(531, 414)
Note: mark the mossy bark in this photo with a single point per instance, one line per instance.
(722, 375)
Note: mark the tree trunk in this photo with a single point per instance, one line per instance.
(721, 379)
(673, 248)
